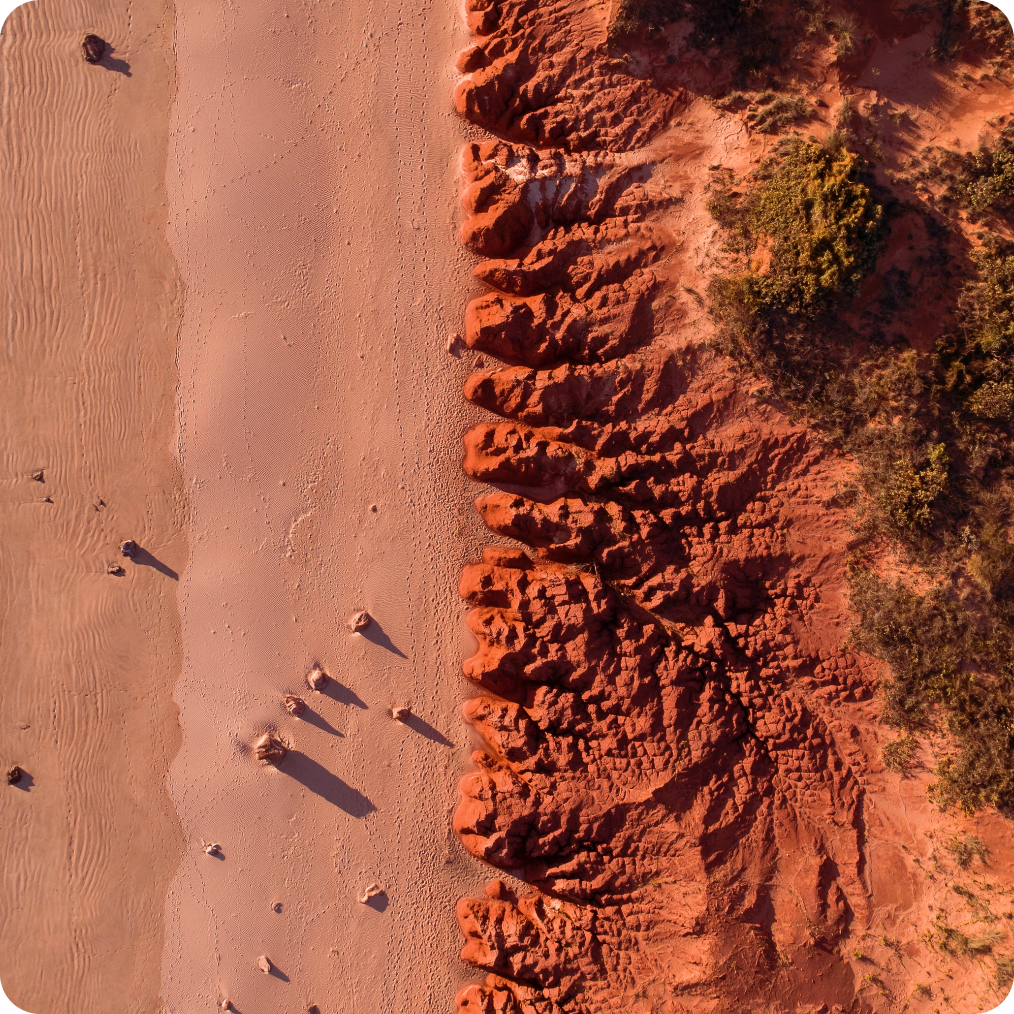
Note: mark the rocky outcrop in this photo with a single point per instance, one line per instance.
(675, 732)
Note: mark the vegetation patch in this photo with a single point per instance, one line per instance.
(900, 753)
(968, 23)
(757, 34)
(953, 941)
(1004, 972)
(980, 182)
(933, 435)
(808, 230)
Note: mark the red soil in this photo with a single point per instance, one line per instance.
(681, 754)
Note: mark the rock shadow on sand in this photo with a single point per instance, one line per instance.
(145, 559)
(342, 694)
(318, 721)
(112, 63)
(24, 782)
(420, 725)
(326, 784)
(378, 902)
(376, 634)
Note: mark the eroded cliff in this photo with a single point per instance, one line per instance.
(682, 745)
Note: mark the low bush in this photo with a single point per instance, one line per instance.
(898, 755)
(980, 182)
(756, 34)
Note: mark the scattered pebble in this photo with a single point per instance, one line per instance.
(270, 749)
(115, 569)
(94, 48)
(264, 964)
(129, 548)
(399, 714)
(213, 849)
(276, 906)
(316, 678)
(371, 892)
(313, 1009)
(39, 475)
(294, 705)
(454, 343)
(360, 621)
(14, 775)
(226, 1005)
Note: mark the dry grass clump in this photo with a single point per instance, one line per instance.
(845, 32)
(1004, 972)
(775, 112)
(966, 848)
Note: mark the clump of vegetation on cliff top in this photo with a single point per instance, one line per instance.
(808, 230)
(816, 222)
(968, 24)
(757, 33)
(934, 438)
(981, 182)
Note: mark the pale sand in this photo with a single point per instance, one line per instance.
(312, 208)
(313, 185)
(90, 305)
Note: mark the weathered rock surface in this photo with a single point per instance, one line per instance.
(680, 750)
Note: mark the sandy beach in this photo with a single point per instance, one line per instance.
(312, 183)
(91, 311)
(252, 274)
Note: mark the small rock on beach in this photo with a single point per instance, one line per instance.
(294, 705)
(270, 749)
(360, 621)
(316, 678)
(94, 48)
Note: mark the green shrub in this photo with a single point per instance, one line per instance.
(807, 230)
(822, 224)
(910, 495)
(941, 658)
(899, 753)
